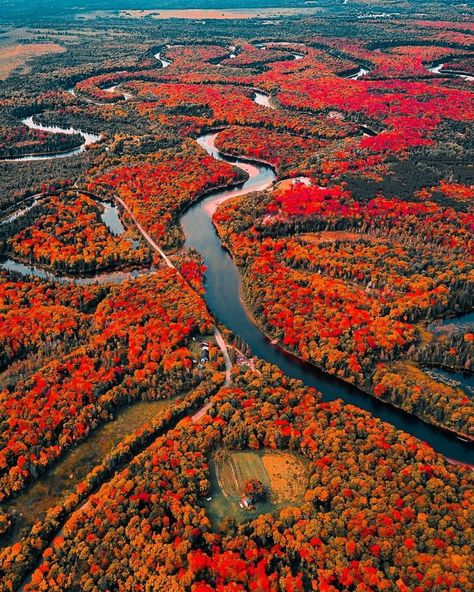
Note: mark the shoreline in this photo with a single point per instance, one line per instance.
(205, 193)
(448, 431)
(77, 150)
(298, 357)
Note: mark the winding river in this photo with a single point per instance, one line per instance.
(434, 69)
(88, 138)
(438, 69)
(164, 62)
(295, 55)
(263, 99)
(223, 296)
(360, 72)
(128, 96)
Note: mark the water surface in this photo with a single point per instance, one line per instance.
(223, 296)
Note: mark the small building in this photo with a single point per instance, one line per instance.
(246, 503)
(204, 352)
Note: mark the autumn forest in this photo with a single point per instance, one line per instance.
(236, 297)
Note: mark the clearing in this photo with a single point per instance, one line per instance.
(283, 474)
(235, 468)
(201, 14)
(288, 476)
(14, 56)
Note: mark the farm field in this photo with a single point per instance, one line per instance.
(236, 468)
(282, 475)
(287, 475)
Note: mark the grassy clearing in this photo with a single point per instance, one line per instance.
(200, 14)
(327, 236)
(288, 476)
(234, 469)
(283, 474)
(14, 56)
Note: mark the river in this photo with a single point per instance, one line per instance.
(128, 96)
(88, 138)
(437, 69)
(434, 69)
(107, 277)
(164, 62)
(360, 72)
(462, 322)
(295, 55)
(263, 99)
(223, 296)
(110, 217)
(224, 300)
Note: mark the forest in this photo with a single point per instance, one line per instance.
(379, 508)
(321, 157)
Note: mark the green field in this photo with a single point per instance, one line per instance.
(283, 474)
(234, 469)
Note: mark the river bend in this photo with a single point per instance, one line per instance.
(223, 296)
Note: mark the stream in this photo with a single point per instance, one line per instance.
(164, 62)
(462, 322)
(128, 96)
(106, 277)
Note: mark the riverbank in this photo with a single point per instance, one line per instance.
(222, 282)
(260, 177)
(297, 357)
(199, 233)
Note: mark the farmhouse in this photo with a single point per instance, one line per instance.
(204, 352)
(246, 503)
